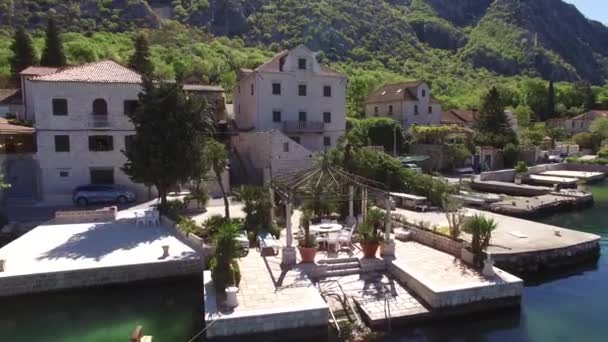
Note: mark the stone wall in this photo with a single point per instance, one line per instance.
(85, 216)
(532, 262)
(41, 282)
(433, 240)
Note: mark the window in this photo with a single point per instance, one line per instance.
(326, 141)
(102, 176)
(285, 147)
(101, 143)
(582, 122)
(573, 123)
(239, 89)
(100, 107)
(390, 110)
(60, 107)
(302, 116)
(129, 142)
(302, 63)
(415, 109)
(276, 116)
(296, 139)
(430, 109)
(64, 174)
(252, 90)
(327, 91)
(327, 117)
(276, 89)
(376, 110)
(423, 92)
(130, 106)
(302, 90)
(62, 143)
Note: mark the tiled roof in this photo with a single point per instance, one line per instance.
(10, 96)
(274, 64)
(7, 128)
(459, 117)
(592, 115)
(97, 72)
(37, 71)
(395, 92)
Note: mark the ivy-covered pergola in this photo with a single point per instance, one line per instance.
(328, 183)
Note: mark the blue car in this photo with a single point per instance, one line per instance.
(94, 193)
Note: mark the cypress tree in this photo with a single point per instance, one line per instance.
(24, 54)
(140, 60)
(493, 124)
(53, 55)
(551, 101)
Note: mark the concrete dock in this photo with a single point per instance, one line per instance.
(564, 182)
(522, 246)
(63, 256)
(510, 188)
(588, 177)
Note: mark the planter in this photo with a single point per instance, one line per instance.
(387, 248)
(307, 254)
(231, 300)
(369, 249)
(467, 256)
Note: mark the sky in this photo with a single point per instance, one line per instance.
(593, 9)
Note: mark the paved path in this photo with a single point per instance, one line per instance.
(539, 236)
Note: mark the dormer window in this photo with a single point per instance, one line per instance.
(302, 63)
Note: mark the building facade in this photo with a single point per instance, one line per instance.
(299, 106)
(582, 123)
(409, 103)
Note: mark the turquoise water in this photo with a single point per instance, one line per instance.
(167, 310)
(571, 306)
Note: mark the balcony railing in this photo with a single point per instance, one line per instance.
(303, 126)
(99, 121)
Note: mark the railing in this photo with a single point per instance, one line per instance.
(99, 121)
(303, 126)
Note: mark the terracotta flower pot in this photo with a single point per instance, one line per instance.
(369, 249)
(307, 254)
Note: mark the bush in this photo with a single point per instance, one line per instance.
(521, 167)
(223, 278)
(596, 161)
(213, 224)
(481, 228)
(188, 226)
(586, 141)
(603, 153)
(510, 154)
(224, 268)
(172, 209)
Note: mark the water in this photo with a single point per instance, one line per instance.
(167, 310)
(571, 306)
(563, 307)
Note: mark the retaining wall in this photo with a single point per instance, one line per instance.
(41, 282)
(85, 216)
(433, 240)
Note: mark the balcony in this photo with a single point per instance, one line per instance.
(99, 121)
(303, 127)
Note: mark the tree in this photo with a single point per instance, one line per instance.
(215, 153)
(524, 115)
(24, 54)
(599, 127)
(52, 54)
(551, 101)
(140, 60)
(493, 124)
(480, 228)
(585, 95)
(455, 215)
(555, 133)
(586, 140)
(170, 130)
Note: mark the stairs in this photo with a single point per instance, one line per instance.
(340, 267)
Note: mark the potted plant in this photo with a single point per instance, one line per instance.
(225, 270)
(307, 244)
(370, 239)
(480, 228)
(521, 168)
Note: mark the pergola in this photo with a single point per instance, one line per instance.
(327, 183)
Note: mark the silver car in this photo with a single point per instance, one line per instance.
(93, 193)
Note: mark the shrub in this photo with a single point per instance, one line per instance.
(213, 224)
(586, 140)
(521, 167)
(603, 153)
(223, 278)
(510, 154)
(481, 228)
(224, 268)
(172, 209)
(188, 226)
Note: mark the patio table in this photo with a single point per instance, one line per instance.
(325, 228)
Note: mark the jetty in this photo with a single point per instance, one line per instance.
(588, 177)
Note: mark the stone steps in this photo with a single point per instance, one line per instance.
(346, 265)
(337, 261)
(340, 267)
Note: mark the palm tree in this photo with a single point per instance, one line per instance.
(216, 155)
(480, 228)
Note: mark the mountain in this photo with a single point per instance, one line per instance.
(540, 38)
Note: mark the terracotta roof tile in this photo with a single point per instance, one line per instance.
(459, 117)
(274, 65)
(37, 71)
(98, 72)
(7, 128)
(592, 115)
(395, 92)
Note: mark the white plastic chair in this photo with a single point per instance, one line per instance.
(152, 217)
(345, 238)
(332, 240)
(140, 218)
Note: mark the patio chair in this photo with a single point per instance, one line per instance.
(152, 218)
(332, 240)
(266, 243)
(345, 238)
(243, 242)
(140, 218)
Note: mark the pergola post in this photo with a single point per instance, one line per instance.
(271, 216)
(388, 246)
(364, 204)
(351, 205)
(289, 252)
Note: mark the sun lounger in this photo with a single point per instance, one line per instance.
(267, 243)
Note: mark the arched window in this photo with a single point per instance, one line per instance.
(100, 107)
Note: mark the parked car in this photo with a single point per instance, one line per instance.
(413, 167)
(556, 159)
(93, 193)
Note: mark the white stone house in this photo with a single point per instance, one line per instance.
(82, 127)
(409, 103)
(295, 102)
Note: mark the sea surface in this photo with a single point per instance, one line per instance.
(565, 306)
